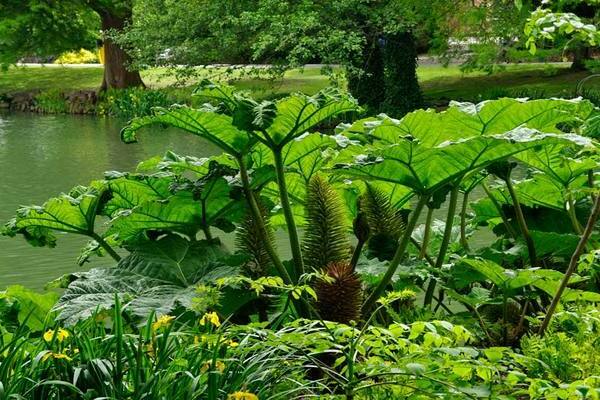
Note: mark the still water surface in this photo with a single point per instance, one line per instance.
(41, 156)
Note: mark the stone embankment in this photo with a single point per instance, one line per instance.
(76, 102)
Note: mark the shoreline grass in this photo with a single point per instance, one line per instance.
(439, 83)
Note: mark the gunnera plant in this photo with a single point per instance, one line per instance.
(340, 298)
(325, 238)
(247, 240)
(385, 223)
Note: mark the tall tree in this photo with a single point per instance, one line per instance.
(373, 39)
(363, 36)
(48, 27)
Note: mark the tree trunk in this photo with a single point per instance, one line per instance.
(116, 59)
(402, 90)
(580, 56)
(365, 80)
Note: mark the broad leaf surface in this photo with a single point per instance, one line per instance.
(298, 113)
(464, 120)
(214, 127)
(71, 213)
(425, 169)
(157, 276)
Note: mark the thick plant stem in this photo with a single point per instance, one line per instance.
(205, 226)
(591, 179)
(207, 234)
(288, 214)
(421, 251)
(106, 247)
(571, 211)
(509, 228)
(356, 254)
(587, 232)
(256, 214)
(463, 222)
(444, 245)
(402, 245)
(522, 223)
(426, 233)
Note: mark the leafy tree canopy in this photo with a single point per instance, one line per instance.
(43, 28)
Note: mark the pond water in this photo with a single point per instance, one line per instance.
(42, 156)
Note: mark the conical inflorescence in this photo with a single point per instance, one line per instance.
(385, 223)
(340, 299)
(248, 241)
(325, 238)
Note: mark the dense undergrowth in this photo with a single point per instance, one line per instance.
(379, 300)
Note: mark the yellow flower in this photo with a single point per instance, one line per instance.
(56, 356)
(233, 343)
(242, 396)
(60, 335)
(219, 366)
(48, 335)
(162, 322)
(211, 317)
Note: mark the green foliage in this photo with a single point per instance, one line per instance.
(73, 213)
(544, 24)
(164, 357)
(131, 103)
(22, 307)
(34, 27)
(157, 277)
(325, 234)
(568, 352)
(274, 158)
(52, 101)
(493, 132)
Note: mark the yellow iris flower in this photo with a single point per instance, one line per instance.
(162, 322)
(212, 318)
(242, 396)
(61, 335)
(56, 356)
(219, 366)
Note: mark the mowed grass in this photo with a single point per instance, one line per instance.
(439, 83)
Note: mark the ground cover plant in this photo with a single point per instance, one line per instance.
(379, 299)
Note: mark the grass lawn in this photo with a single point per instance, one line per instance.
(439, 83)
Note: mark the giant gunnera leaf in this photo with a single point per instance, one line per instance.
(73, 212)
(158, 276)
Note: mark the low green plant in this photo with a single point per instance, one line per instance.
(105, 356)
(517, 55)
(52, 101)
(569, 349)
(131, 103)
